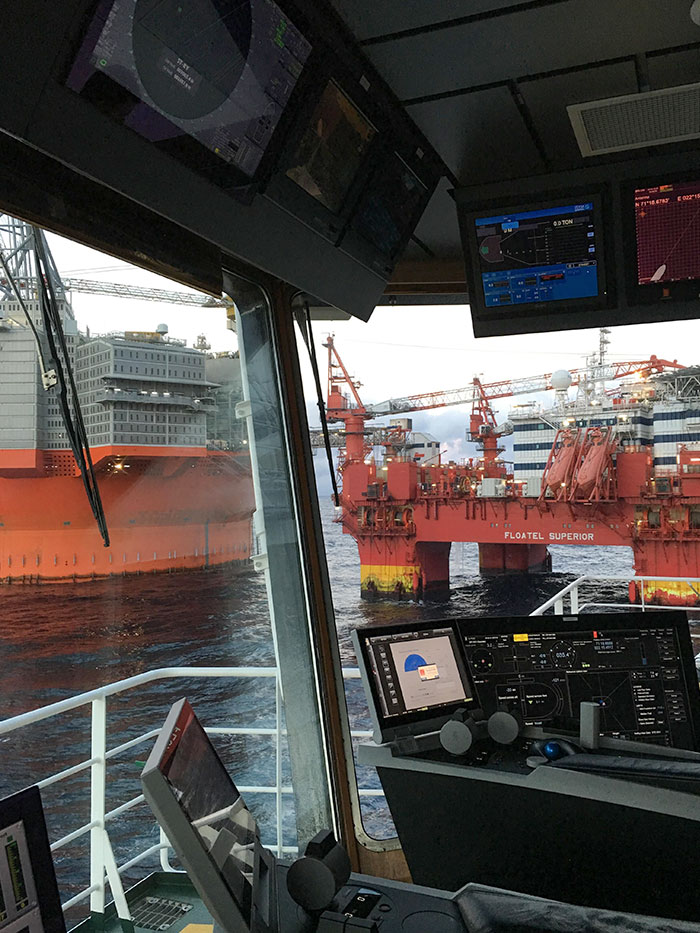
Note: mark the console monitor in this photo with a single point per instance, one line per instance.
(638, 666)
(207, 823)
(390, 206)
(545, 257)
(207, 81)
(332, 149)
(666, 260)
(415, 675)
(29, 901)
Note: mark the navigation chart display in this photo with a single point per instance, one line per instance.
(218, 72)
(667, 222)
(546, 254)
(636, 675)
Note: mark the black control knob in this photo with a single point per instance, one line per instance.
(504, 726)
(461, 731)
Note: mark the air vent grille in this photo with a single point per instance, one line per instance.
(637, 120)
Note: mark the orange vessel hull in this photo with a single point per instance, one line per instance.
(164, 513)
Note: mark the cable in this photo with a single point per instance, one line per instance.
(308, 336)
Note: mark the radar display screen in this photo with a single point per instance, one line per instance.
(637, 674)
(212, 73)
(547, 254)
(415, 673)
(667, 224)
(332, 149)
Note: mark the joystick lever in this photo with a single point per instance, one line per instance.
(314, 879)
(461, 731)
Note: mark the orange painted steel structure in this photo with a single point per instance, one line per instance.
(404, 516)
(167, 509)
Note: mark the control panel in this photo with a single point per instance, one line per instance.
(636, 677)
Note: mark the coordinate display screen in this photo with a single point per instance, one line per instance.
(331, 149)
(667, 222)
(636, 676)
(417, 671)
(218, 72)
(541, 255)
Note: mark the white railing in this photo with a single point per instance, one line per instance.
(103, 865)
(573, 592)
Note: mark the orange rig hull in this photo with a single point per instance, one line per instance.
(166, 510)
(404, 518)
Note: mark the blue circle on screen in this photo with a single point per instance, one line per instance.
(413, 662)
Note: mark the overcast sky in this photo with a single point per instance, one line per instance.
(401, 351)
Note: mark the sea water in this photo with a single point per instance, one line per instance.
(61, 640)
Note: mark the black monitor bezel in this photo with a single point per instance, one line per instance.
(26, 806)
(195, 155)
(294, 199)
(521, 318)
(416, 722)
(184, 838)
(651, 293)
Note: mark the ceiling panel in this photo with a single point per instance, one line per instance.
(547, 99)
(478, 134)
(368, 19)
(674, 69)
(531, 41)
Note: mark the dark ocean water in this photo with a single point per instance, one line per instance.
(58, 641)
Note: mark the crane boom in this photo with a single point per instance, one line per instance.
(119, 290)
(493, 390)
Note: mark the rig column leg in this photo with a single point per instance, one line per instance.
(498, 559)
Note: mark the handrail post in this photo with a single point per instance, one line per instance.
(98, 752)
(574, 599)
(559, 607)
(642, 592)
(278, 763)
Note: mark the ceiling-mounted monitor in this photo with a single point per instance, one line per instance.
(534, 265)
(390, 205)
(662, 239)
(208, 81)
(328, 155)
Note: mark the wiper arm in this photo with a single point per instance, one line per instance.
(73, 421)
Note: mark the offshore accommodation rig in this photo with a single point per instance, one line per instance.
(617, 467)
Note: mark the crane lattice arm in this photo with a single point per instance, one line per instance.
(118, 290)
(493, 390)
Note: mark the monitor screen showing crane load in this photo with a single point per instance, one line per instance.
(541, 256)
